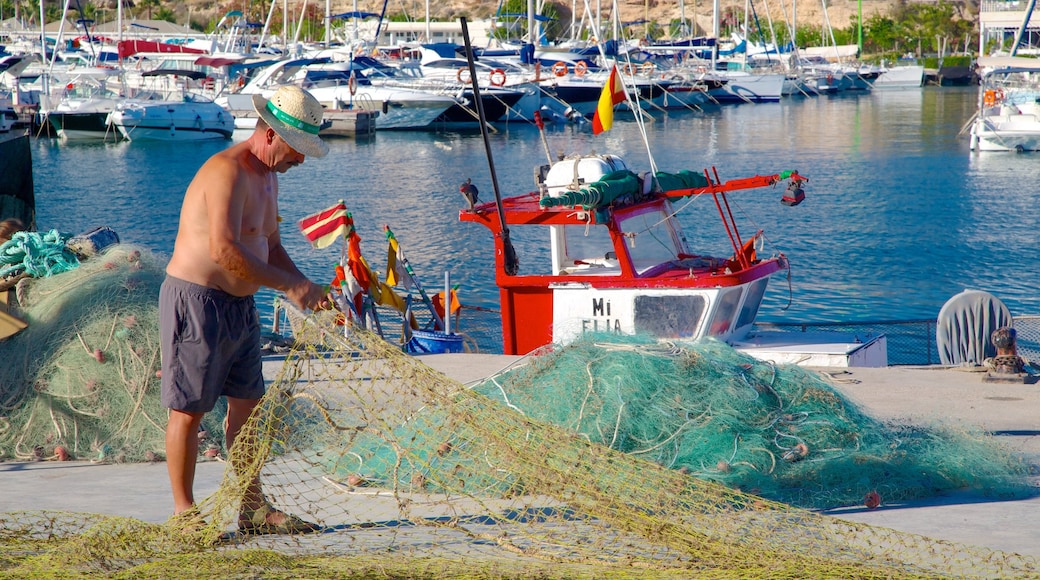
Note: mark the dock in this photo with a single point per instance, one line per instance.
(915, 395)
(338, 122)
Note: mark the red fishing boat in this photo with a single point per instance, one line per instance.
(620, 262)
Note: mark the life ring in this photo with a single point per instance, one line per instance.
(629, 68)
(352, 85)
(497, 77)
(647, 68)
(580, 68)
(559, 68)
(992, 97)
(459, 73)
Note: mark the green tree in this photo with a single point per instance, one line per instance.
(517, 27)
(166, 14)
(880, 34)
(147, 5)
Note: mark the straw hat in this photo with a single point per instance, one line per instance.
(295, 115)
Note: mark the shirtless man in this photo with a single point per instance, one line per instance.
(227, 247)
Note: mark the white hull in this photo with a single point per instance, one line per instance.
(172, 121)
(901, 77)
(749, 88)
(688, 313)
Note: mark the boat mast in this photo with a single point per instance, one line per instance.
(532, 35)
(715, 32)
(328, 22)
(1022, 28)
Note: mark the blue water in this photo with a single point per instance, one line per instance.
(899, 215)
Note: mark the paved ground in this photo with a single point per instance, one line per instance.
(925, 395)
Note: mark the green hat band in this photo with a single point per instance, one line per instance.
(290, 120)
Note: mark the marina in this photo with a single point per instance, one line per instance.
(890, 175)
(894, 215)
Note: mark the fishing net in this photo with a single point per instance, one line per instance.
(582, 463)
(80, 381)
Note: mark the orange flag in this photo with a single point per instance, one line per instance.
(613, 94)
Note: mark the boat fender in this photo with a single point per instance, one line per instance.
(559, 68)
(497, 77)
(386, 107)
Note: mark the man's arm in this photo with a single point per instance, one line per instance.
(279, 258)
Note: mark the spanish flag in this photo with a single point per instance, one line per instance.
(613, 94)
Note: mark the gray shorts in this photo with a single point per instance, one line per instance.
(210, 344)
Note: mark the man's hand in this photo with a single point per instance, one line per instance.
(307, 295)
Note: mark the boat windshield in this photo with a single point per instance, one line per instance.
(653, 239)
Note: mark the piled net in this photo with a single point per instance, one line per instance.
(527, 475)
(80, 381)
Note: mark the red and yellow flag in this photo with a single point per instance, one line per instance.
(613, 94)
(326, 226)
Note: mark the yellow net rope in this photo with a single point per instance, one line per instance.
(412, 474)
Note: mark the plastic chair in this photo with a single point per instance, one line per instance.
(964, 327)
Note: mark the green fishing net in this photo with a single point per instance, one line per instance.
(81, 380)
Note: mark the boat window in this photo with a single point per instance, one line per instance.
(532, 251)
(724, 314)
(589, 251)
(652, 240)
(752, 301)
(669, 316)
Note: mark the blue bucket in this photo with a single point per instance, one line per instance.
(430, 342)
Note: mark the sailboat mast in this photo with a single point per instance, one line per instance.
(859, 19)
(715, 32)
(532, 34)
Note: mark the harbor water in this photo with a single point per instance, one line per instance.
(899, 215)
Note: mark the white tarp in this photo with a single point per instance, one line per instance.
(831, 53)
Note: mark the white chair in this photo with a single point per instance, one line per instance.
(964, 327)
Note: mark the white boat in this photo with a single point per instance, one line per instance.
(335, 88)
(1008, 117)
(178, 116)
(86, 100)
(905, 76)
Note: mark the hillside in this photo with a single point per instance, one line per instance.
(838, 12)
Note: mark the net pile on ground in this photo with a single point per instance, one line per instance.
(416, 475)
(81, 380)
(780, 432)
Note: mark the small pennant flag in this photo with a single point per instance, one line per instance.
(613, 94)
(396, 264)
(357, 264)
(325, 227)
(438, 303)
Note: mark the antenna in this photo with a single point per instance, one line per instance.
(512, 263)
